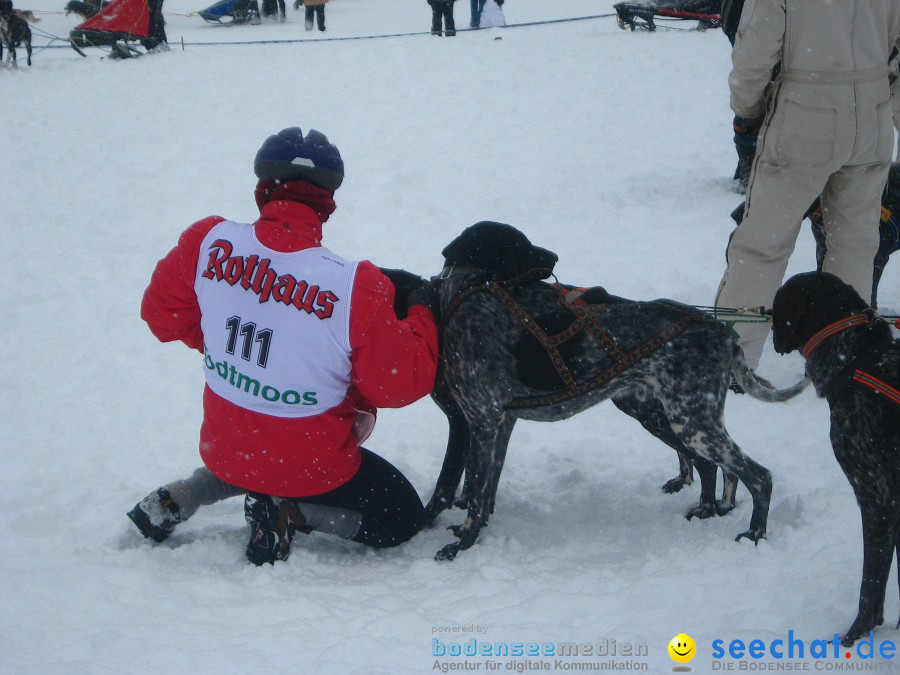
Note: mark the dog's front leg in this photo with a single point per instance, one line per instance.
(501, 446)
(488, 441)
(879, 540)
(451, 471)
(456, 455)
(897, 547)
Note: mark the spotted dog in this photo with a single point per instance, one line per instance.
(514, 346)
(854, 363)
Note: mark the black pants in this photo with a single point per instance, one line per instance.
(273, 8)
(442, 10)
(156, 31)
(390, 506)
(319, 11)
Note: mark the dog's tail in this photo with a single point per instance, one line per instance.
(759, 387)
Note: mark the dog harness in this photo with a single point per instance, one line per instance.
(576, 300)
(859, 372)
(584, 304)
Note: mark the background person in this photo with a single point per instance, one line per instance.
(828, 132)
(442, 17)
(315, 11)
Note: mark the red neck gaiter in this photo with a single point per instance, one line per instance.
(319, 200)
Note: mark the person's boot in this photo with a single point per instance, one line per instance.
(156, 515)
(273, 523)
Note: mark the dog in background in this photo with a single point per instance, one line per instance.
(516, 347)
(14, 31)
(28, 15)
(85, 9)
(854, 363)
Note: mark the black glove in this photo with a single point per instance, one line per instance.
(427, 296)
(746, 129)
(403, 282)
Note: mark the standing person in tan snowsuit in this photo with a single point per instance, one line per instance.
(827, 131)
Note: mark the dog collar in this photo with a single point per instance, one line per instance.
(833, 329)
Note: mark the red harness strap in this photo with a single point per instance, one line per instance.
(833, 329)
(688, 15)
(878, 384)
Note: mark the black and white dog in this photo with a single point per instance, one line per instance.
(516, 347)
(14, 32)
(854, 364)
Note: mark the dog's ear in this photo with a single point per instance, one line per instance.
(806, 304)
(788, 310)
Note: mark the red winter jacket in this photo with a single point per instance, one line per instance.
(393, 364)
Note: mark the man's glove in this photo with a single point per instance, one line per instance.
(403, 282)
(427, 296)
(746, 131)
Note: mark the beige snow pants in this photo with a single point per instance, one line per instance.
(823, 137)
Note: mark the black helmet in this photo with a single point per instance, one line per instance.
(289, 155)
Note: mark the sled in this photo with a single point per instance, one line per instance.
(121, 26)
(230, 12)
(644, 15)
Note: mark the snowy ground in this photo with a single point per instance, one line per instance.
(609, 147)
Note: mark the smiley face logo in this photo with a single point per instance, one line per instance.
(682, 648)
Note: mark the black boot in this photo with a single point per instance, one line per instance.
(273, 523)
(156, 515)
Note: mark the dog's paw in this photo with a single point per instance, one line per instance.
(753, 535)
(701, 511)
(448, 552)
(723, 507)
(673, 486)
(859, 629)
(863, 623)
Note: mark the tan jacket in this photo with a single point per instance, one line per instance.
(817, 42)
(313, 3)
